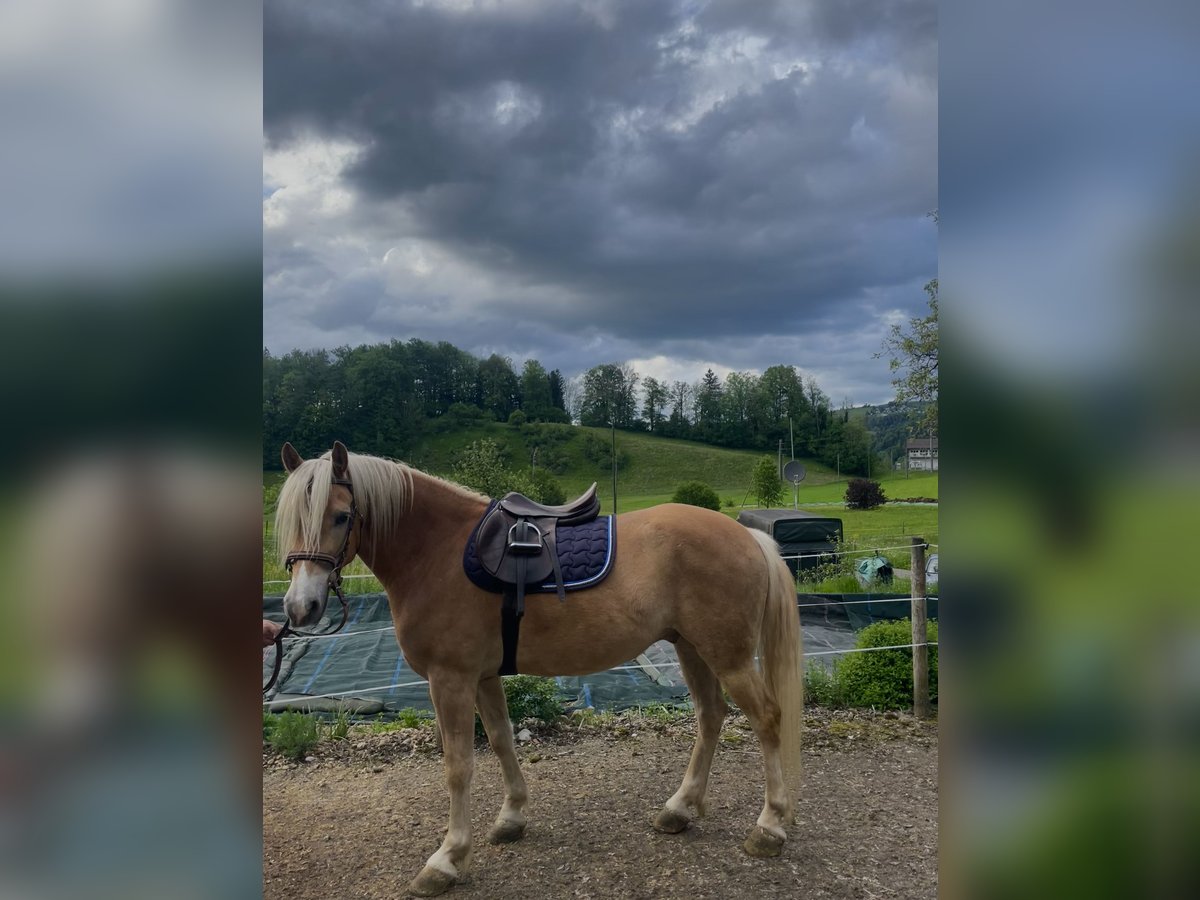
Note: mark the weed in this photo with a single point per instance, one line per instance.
(294, 734)
(340, 726)
(531, 697)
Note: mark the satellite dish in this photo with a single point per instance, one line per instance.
(794, 472)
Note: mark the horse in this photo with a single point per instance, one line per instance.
(718, 591)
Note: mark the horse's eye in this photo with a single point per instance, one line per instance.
(342, 519)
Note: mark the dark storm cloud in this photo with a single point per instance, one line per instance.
(634, 169)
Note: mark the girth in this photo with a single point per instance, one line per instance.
(515, 541)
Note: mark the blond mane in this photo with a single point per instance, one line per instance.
(383, 492)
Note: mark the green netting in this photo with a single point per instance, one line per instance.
(364, 671)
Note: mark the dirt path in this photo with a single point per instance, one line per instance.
(361, 818)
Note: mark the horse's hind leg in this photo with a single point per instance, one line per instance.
(453, 698)
(748, 690)
(710, 715)
(493, 710)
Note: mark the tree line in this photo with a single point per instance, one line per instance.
(382, 397)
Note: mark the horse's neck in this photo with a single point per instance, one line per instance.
(436, 518)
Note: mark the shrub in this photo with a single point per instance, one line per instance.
(883, 678)
(546, 488)
(293, 734)
(517, 418)
(598, 450)
(531, 697)
(862, 493)
(697, 493)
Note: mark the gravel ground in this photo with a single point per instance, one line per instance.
(361, 816)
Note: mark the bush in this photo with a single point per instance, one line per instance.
(293, 734)
(547, 489)
(517, 418)
(697, 493)
(531, 697)
(862, 493)
(883, 678)
(598, 450)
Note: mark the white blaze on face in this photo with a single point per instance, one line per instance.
(310, 583)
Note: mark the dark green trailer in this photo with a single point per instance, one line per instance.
(810, 536)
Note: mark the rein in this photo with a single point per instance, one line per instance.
(335, 584)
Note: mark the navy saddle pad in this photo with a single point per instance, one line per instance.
(585, 555)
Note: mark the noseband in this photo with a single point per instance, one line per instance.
(335, 564)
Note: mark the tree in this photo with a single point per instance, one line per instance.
(708, 407)
(737, 401)
(656, 394)
(537, 394)
(557, 395)
(765, 484)
(679, 424)
(498, 387)
(914, 354)
(483, 467)
(609, 396)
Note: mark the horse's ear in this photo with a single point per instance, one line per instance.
(291, 459)
(341, 460)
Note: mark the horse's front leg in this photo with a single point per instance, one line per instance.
(493, 710)
(454, 701)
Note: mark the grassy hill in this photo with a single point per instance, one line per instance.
(656, 466)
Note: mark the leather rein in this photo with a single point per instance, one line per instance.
(335, 584)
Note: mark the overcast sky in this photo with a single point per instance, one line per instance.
(733, 184)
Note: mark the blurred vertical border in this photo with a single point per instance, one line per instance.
(1069, 245)
(130, 506)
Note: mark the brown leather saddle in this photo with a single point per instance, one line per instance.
(516, 545)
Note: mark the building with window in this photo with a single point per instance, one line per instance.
(922, 454)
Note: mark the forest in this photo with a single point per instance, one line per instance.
(380, 398)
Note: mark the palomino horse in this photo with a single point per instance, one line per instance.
(717, 590)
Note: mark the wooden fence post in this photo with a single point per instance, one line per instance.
(919, 632)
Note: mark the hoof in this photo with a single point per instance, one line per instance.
(506, 832)
(431, 882)
(668, 821)
(762, 843)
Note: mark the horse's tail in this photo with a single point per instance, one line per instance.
(782, 655)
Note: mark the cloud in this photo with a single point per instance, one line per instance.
(622, 176)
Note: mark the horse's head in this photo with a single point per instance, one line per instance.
(317, 525)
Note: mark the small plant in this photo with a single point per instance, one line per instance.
(411, 718)
(405, 718)
(821, 687)
(863, 493)
(883, 678)
(294, 734)
(531, 697)
(697, 493)
(340, 726)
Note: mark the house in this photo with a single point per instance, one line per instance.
(922, 454)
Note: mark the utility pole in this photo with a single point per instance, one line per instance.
(780, 461)
(614, 464)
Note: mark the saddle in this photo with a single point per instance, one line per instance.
(516, 544)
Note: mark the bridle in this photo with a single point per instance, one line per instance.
(335, 564)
